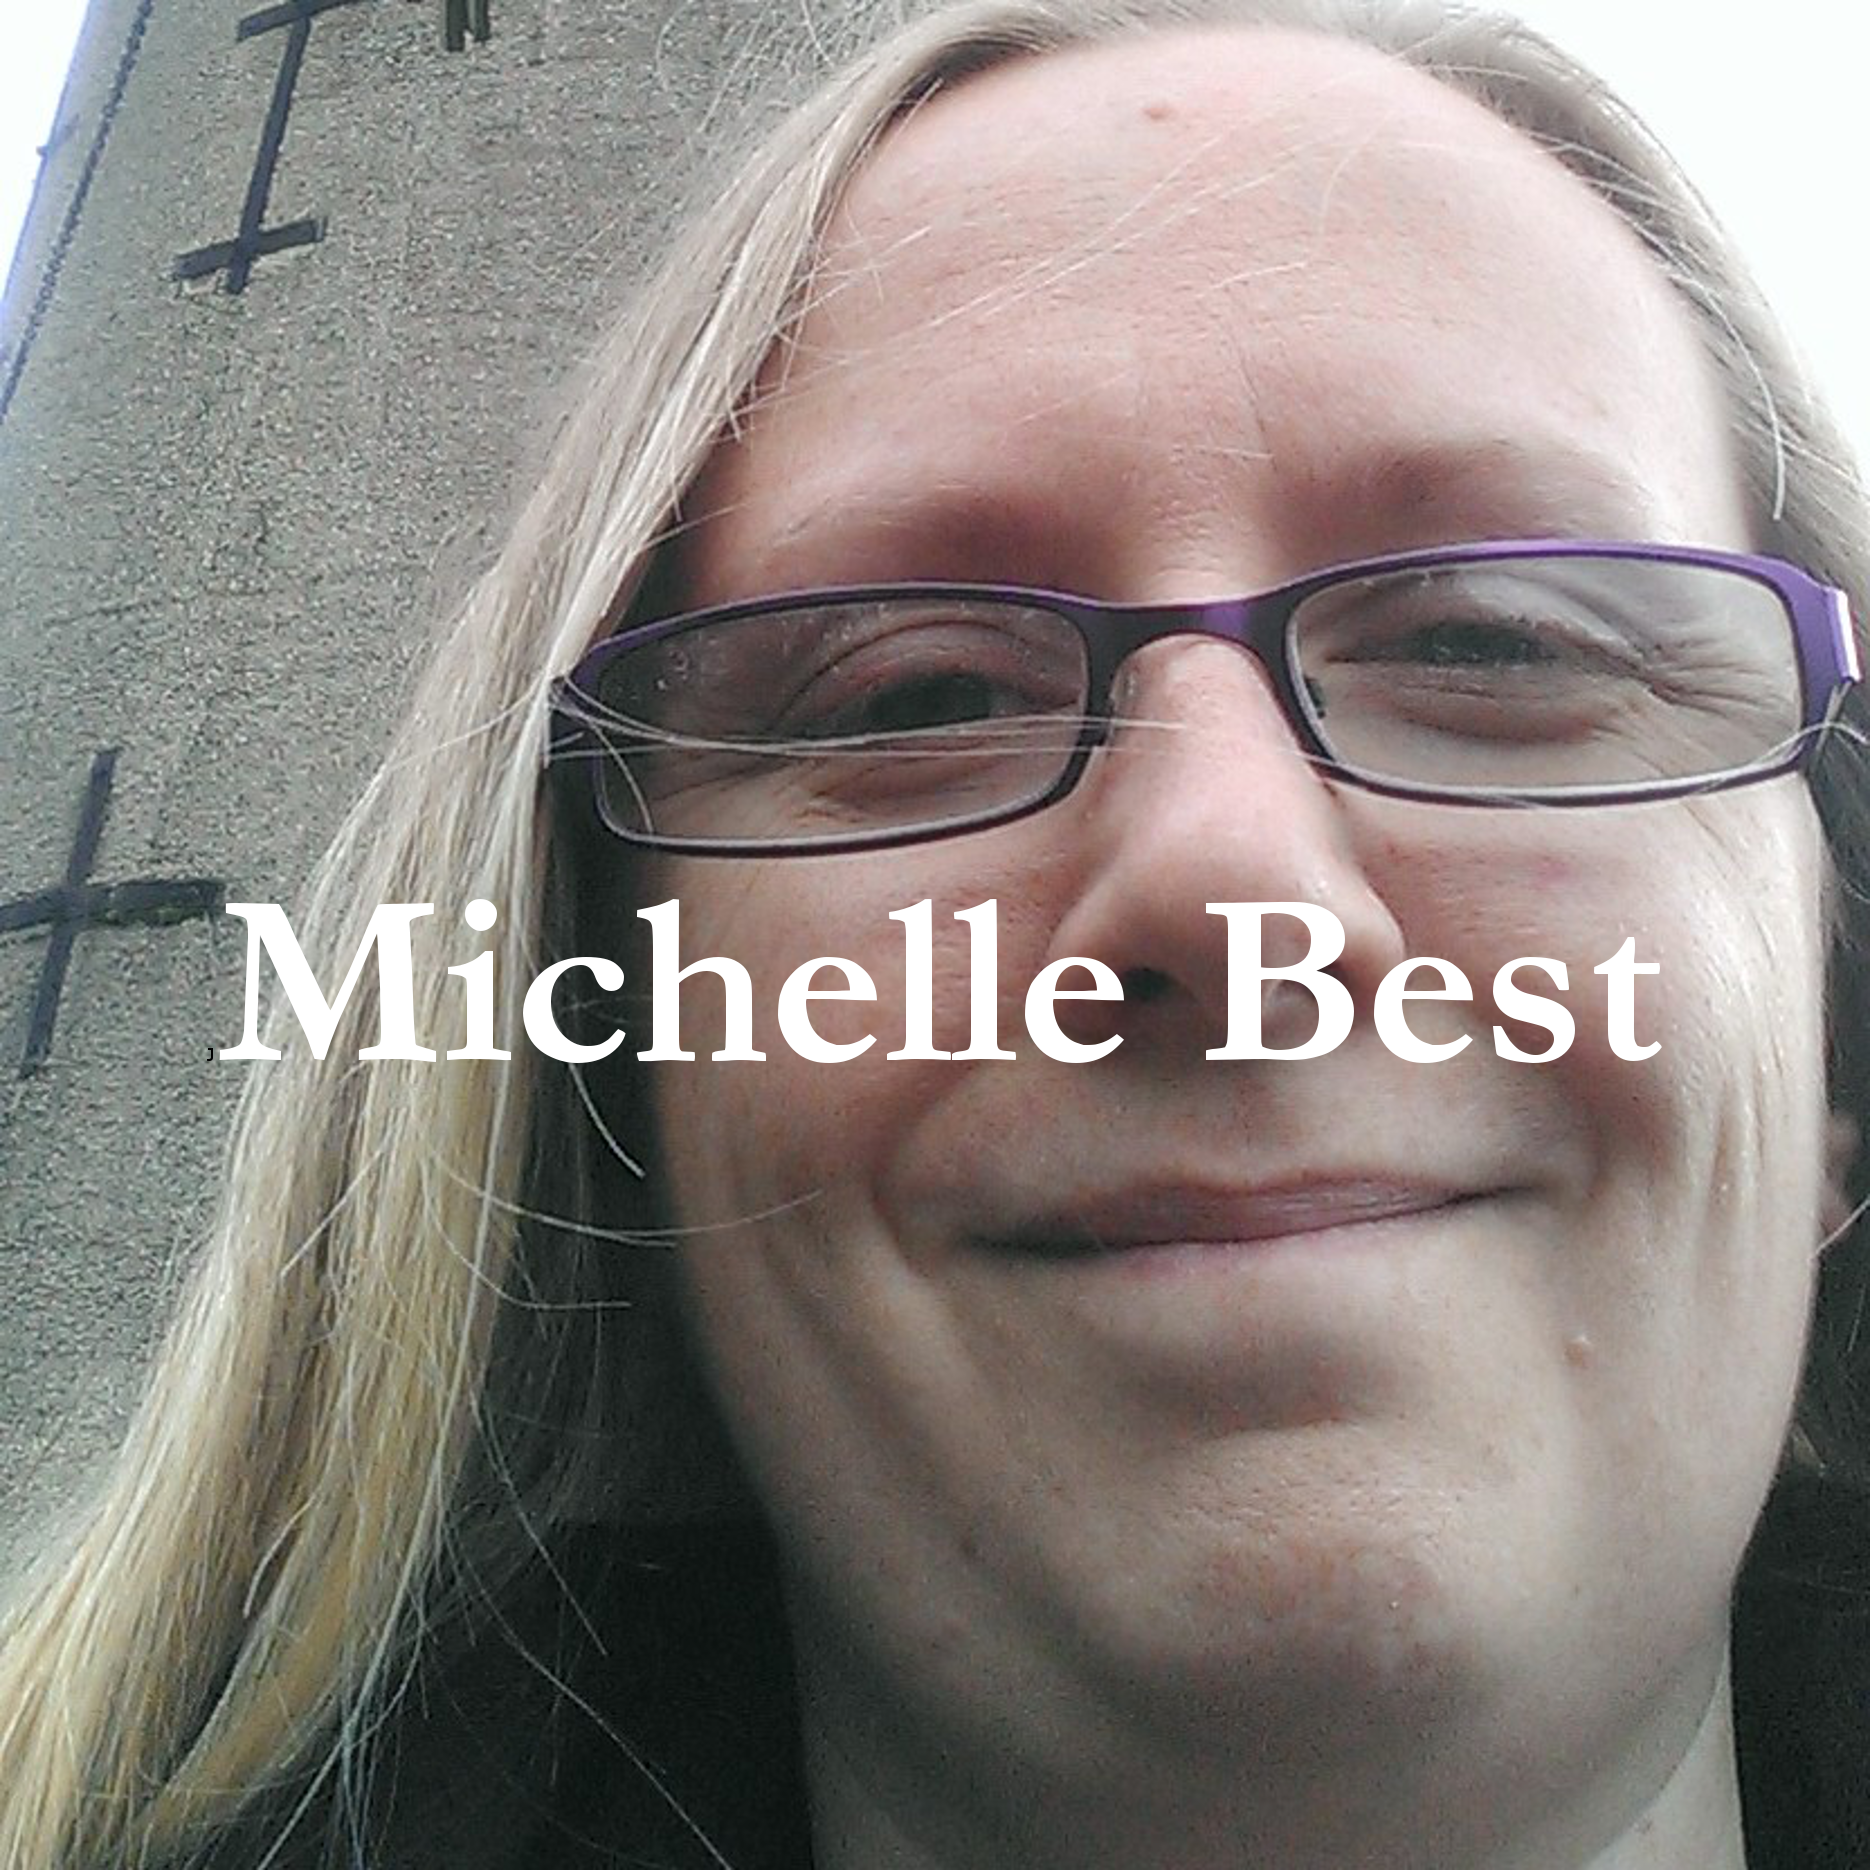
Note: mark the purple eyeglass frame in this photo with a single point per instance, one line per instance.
(1819, 614)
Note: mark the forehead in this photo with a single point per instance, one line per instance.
(1255, 114)
(1244, 246)
(1291, 150)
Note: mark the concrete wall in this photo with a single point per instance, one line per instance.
(224, 523)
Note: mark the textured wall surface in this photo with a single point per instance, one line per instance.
(227, 519)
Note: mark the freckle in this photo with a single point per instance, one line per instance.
(1580, 1352)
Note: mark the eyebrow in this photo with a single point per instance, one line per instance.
(1443, 492)
(879, 531)
(1501, 485)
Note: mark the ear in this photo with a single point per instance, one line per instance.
(1843, 1144)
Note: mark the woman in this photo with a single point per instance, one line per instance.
(1164, 1460)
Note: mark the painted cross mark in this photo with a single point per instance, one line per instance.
(78, 904)
(464, 17)
(236, 257)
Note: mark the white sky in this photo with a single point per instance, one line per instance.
(1762, 106)
(35, 48)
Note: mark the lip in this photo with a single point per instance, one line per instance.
(1156, 1221)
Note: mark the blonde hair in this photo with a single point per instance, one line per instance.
(324, 1452)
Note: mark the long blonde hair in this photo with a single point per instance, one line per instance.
(401, 1243)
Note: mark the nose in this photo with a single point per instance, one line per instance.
(1202, 795)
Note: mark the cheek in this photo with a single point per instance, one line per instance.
(1702, 1166)
(738, 1136)
(1673, 1294)
(1723, 899)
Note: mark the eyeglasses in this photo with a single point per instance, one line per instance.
(1518, 673)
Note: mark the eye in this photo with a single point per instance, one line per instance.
(1479, 642)
(918, 672)
(1493, 629)
(917, 700)
(1400, 669)
(828, 719)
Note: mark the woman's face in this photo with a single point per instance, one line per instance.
(1412, 1384)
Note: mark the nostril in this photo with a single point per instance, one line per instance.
(1142, 985)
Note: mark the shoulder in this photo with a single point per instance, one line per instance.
(627, 1699)
(1802, 1680)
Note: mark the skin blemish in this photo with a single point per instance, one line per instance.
(1159, 110)
(1580, 1352)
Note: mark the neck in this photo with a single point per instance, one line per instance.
(1656, 1792)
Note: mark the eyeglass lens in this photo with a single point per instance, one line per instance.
(1549, 675)
(904, 713)
(838, 720)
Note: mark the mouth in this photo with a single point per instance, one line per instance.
(1154, 1222)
